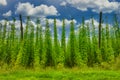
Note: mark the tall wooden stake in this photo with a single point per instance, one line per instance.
(21, 26)
(100, 25)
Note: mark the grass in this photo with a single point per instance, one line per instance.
(63, 74)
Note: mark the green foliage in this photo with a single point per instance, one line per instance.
(36, 50)
(72, 42)
(39, 49)
(95, 51)
(63, 43)
(83, 42)
(56, 49)
(117, 63)
(67, 74)
(48, 46)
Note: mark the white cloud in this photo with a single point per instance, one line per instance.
(30, 9)
(89, 21)
(59, 22)
(63, 3)
(3, 2)
(96, 5)
(17, 23)
(96, 23)
(7, 14)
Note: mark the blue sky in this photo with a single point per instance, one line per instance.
(60, 9)
(64, 8)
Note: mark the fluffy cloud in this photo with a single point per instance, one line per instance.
(63, 3)
(3, 2)
(96, 5)
(89, 21)
(30, 9)
(59, 22)
(17, 24)
(96, 23)
(43, 23)
(7, 14)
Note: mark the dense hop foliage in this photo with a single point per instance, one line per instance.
(39, 49)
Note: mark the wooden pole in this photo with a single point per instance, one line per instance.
(21, 26)
(100, 25)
